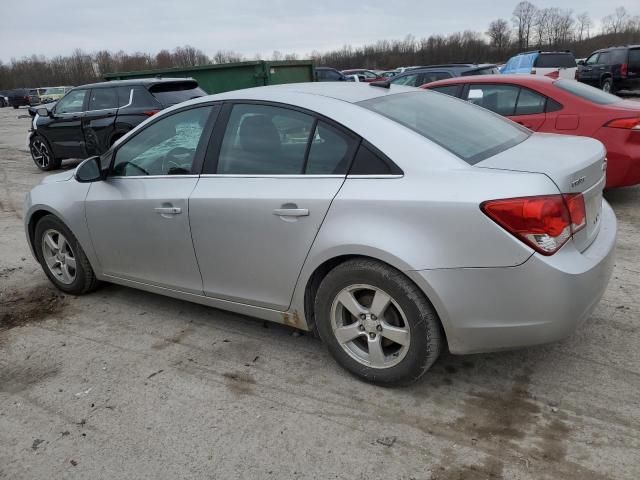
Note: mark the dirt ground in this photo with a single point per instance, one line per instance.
(127, 384)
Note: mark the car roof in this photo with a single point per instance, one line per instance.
(350, 92)
(458, 67)
(498, 78)
(135, 81)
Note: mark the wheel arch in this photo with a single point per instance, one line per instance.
(321, 271)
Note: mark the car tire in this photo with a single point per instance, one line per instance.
(42, 155)
(62, 258)
(15, 107)
(396, 336)
(607, 85)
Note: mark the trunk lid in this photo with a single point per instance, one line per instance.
(574, 164)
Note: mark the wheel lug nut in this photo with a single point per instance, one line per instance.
(372, 335)
(361, 327)
(379, 328)
(373, 317)
(362, 316)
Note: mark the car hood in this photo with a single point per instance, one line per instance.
(58, 177)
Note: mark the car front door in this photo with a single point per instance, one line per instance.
(268, 181)
(138, 217)
(98, 122)
(64, 131)
(589, 72)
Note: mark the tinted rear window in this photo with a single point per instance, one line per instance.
(555, 60)
(482, 71)
(472, 133)
(171, 93)
(586, 92)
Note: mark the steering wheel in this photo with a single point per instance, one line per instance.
(177, 161)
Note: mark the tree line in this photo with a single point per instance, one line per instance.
(529, 27)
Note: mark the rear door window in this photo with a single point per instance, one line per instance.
(555, 60)
(103, 99)
(409, 80)
(500, 99)
(530, 103)
(170, 93)
(428, 77)
(447, 90)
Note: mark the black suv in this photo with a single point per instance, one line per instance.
(419, 76)
(612, 69)
(19, 98)
(90, 118)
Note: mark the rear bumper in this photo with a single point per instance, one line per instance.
(540, 301)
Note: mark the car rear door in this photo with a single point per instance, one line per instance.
(633, 68)
(269, 178)
(98, 122)
(138, 217)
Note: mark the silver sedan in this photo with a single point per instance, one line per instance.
(392, 222)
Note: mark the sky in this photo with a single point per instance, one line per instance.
(249, 27)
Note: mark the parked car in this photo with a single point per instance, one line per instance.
(612, 69)
(550, 64)
(391, 221)
(19, 98)
(389, 73)
(4, 99)
(561, 106)
(328, 74)
(364, 74)
(35, 96)
(419, 76)
(91, 118)
(53, 94)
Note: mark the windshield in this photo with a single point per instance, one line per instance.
(472, 133)
(587, 92)
(54, 91)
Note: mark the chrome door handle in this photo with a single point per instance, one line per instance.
(168, 210)
(291, 212)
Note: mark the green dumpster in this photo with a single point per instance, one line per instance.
(232, 76)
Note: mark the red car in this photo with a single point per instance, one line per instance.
(364, 74)
(560, 106)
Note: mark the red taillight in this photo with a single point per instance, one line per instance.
(555, 74)
(150, 113)
(624, 69)
(632, 123)
(543, 222)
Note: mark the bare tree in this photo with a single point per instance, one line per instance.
(523, 19)
(499, 34)
(583, 25)
(616, 22)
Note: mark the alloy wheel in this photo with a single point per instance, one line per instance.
(59, 256)
(40, 153)
(370, 326)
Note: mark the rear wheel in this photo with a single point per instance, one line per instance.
(62, 257)
(607, 85)
(376, 323)
(42, 155)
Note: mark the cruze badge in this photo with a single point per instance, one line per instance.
(577, 182)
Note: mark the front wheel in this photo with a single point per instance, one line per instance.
(62, 258)
(42, 155)
(607, 85)
(376, 323)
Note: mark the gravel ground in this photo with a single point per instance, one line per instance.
(127, 384)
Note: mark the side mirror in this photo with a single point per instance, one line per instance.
(89, 170)
(43, 112)
(580, 62)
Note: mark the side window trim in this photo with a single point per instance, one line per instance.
(212, 153)
(196, 166)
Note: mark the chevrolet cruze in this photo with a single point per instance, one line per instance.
(392, 222)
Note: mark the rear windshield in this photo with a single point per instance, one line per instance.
(555, 60)
(472, 133)
(482, 71)
(170, 93)
(586, 92)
